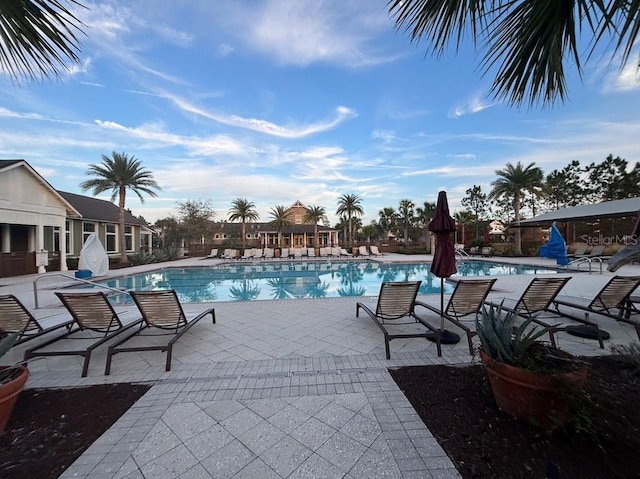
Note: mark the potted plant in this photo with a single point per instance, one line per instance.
(12, 380)
(530, 380)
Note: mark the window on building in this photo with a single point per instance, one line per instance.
(112, 238)
(56, 238)
(128, 237)
(67, 233)
(87, 229)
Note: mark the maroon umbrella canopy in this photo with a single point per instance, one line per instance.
(442, 225)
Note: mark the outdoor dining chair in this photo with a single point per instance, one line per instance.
(164, 323)
(97, 322)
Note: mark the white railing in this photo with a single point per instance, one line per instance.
(80, 280)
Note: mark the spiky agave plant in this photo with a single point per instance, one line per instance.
(10, 372)
(503, 340)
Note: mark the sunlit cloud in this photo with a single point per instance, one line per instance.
(224, 50)
(303, 33)
(263, 126)
(472, 106)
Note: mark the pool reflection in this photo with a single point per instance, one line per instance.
(296, 280)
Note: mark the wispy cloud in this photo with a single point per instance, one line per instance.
(263, 126)
(303, 33)
(474, 105)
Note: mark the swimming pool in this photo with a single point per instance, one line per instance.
(296, 280)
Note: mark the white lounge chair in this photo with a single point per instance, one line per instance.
(229, 253)
(284, 253)
(247, 254)
(325, 252)
(375, 251)
(213, 254)
(363, 251)
(267, 253)
(297, 253)
(311, 252)
(344, 252)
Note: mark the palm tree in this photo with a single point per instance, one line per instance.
(387, 218)
(405, 213)
(314, 215)
(243, 210)
(425, 214)
(350, 205)
(514, 182)
(529, 42)
(38, 38)
(119, 174)
(464, 218)
(280, 215)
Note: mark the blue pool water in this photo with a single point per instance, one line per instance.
(294, 280)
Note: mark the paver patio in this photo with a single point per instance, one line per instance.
(282, 389)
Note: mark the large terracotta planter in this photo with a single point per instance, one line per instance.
(9, 394)
(541, 400)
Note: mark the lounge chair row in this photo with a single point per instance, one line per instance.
(268, 253)
(541, 301)
(95, 322)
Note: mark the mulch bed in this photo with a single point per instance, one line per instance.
(601, 441)
(50, 428)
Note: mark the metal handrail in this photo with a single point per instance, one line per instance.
(577, 262)
(81, 280)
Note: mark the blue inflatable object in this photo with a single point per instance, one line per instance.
(83, 274)
(556, 248)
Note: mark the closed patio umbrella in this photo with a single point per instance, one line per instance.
(444, 258)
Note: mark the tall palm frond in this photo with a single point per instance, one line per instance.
(120, 173)
(314, 214)
(243, 210)
(38, 38)
(529, 42)
(350, 205)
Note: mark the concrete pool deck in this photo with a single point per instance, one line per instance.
(282, 389)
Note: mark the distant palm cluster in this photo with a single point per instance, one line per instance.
(518, 192)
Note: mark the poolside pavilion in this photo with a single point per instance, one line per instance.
(608, 222)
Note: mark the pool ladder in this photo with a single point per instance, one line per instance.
(80, 280)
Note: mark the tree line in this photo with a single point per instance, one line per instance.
(517, 192)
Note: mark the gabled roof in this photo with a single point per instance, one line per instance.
(606, 209)
(9, 164)
(99, 210)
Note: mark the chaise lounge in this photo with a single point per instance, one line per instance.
(15, 318)
(97, 322)
(164, 322)
(612, 301)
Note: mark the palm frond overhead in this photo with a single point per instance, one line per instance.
(38, 38)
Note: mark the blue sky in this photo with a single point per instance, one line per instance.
(278, 101)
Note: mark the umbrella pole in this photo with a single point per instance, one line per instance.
(446, 336)
(441, 305)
